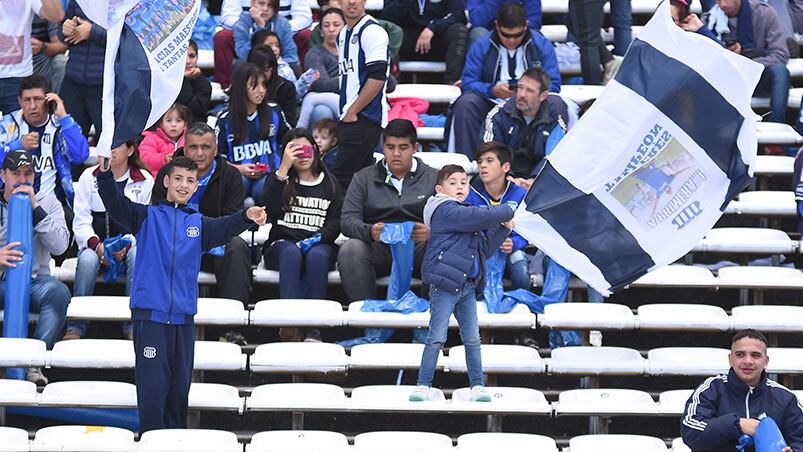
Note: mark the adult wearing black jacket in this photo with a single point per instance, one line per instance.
(218, 195)
(433, 30)
(392, 190)
(726, 406)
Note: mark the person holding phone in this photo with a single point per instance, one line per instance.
(303, 201)
(43, 127)
(248, 131)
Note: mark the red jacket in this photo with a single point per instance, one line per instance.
(154, 146)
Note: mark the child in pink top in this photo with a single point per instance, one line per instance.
(157, 146)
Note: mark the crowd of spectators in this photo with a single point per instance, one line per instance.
(306, 110)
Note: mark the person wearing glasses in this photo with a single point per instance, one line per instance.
(490, 77)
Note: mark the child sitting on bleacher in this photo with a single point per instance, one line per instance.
(325, 134)
(461, 238)
(158, 145)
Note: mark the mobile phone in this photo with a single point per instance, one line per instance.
(307, 151)
(513, 85)
(260, 167)
(51, 107)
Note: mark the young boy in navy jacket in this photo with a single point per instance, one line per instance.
(461, 238)
(171, 238)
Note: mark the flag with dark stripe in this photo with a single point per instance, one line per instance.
(146, 49)
(651, 166)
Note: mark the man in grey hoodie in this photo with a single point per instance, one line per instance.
(49, 296)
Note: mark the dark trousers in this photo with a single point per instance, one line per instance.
(163, 372)
(585, 19)
(9, 94)
(361, 263)
(449, 46)
(356, 142)
(467, 123)
(232, 270)
(83, 103)
(285, 256)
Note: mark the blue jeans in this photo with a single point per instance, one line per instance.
(253, 187)
(9, 94)
(518, 270)
(285, 256)
(49, 298)
(463, 304)
(86, 274)
(622, 19)
(775, 81)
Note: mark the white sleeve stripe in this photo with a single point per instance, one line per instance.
(489, 124)
(688, 419)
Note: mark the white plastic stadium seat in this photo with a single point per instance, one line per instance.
(581, 94)
(596, 361)
(356, 317)
(692, 361)
(430, 133)
(587, 316)
(616, 443)
(300, 312)
(218, 95)
(189, 440)
(504, 400)
(519, 317)
(99, 307)
(389, 356)
(605, 402)
(394, 398)
(767, 203)
(677, 276)
(297, 396)
(22, 352)
(434, 94)
(773, 165)
(402, 442)
(673, 402)
(221, 311)
(17, 392)
(422, 66)
(760, 278)
(747, 240)
(206, 59)
(785, 360)
(13, 439)
(679, 446)
(777, 133)
(438, 160)
(768, 318)
(97, 394)
(215, 396)
(300, 357)
(93, 353)
(215, 355)
(683, 317)
(484, 442)
(298, 441)
(83, 438)
(795, 66)
(500, 359)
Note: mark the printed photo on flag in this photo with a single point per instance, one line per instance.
(649, 169)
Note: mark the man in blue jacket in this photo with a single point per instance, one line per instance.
(171, 239)
(493, 67)
(726, 406)
(531, 124)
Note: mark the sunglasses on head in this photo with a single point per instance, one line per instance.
(511, 35)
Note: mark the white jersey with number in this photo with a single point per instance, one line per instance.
(358, 49)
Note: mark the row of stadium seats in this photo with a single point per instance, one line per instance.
(320, 397)
(110, 439)
(584, 316)
(325, 358)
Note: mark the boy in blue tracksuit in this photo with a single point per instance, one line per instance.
(171, 238)
(461, 238)
(490, 188)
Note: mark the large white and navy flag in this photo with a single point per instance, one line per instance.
(146, 49)
(649, 169)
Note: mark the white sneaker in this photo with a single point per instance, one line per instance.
(35, 375)
(421, 394)
(595, 338)
(479, 394)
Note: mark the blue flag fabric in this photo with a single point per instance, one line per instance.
(115, 269)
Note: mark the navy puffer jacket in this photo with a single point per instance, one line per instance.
(85, 65)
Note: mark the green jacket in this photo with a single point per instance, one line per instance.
(394, 32)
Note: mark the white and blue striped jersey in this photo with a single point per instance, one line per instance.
(358, 48)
